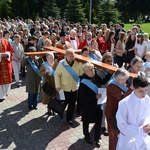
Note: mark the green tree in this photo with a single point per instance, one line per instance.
(132, 9)
(62, 5)
(87, 9)
(75, 12)
(5, 9)
(50, 9)
(107, 12)
(39, 6)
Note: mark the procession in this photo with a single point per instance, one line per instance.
(75, 76)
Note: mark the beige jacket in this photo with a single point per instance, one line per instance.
(64, 80)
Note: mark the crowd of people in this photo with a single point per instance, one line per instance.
(80, 82)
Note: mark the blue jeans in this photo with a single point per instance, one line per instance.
(32, 99)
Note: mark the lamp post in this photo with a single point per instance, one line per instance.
(90, 11)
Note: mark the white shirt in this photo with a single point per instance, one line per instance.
(99, 54)
(133, 113)
(140, 48)
(74, 44)
(88, 42)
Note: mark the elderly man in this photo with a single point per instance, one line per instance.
(74, 41)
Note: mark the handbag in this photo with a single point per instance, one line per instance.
(57, 106)
(47, 89)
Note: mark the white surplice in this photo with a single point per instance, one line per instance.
(133, 113)
(4, 90)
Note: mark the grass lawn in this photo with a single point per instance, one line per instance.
(145, 27)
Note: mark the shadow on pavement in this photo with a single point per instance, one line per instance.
(28, 135)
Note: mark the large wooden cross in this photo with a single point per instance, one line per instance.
(104, 66)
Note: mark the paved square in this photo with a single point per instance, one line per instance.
(21, 129)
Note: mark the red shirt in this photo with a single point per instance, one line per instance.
(107, 46)
(83, 44)
(101, 42)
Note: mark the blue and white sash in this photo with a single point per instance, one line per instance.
(91, 85)
(93, 56)
(48, 66)
(113, 81)
(105, 72)
(70, 71)
(34, 67)
(130, 80)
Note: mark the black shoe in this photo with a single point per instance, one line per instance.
(70, 123)
(1, 100)
(35, 108)
(97, 143)
(88, 140)
(104, 131)
(30, 107)
(18, 84)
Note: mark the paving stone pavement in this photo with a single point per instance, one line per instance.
(21, 129)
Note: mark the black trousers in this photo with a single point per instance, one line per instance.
(98, 123)
(119, 60)
(71, 98)
(78, 104)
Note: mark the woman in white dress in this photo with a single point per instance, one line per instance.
(140, 47)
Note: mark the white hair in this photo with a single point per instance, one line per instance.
(50, 54)
(72, 31)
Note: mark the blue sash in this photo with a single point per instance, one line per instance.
(105, 72)
(34, 67)
(130, 80)
(48, 66)
(91, 85)
(124, 88)
(70, 71)
(93, 56)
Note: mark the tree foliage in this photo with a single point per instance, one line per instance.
(132, 9)
(62, 5)
(74, 11)
(5, 8)
(50, 9)
(107, 12)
